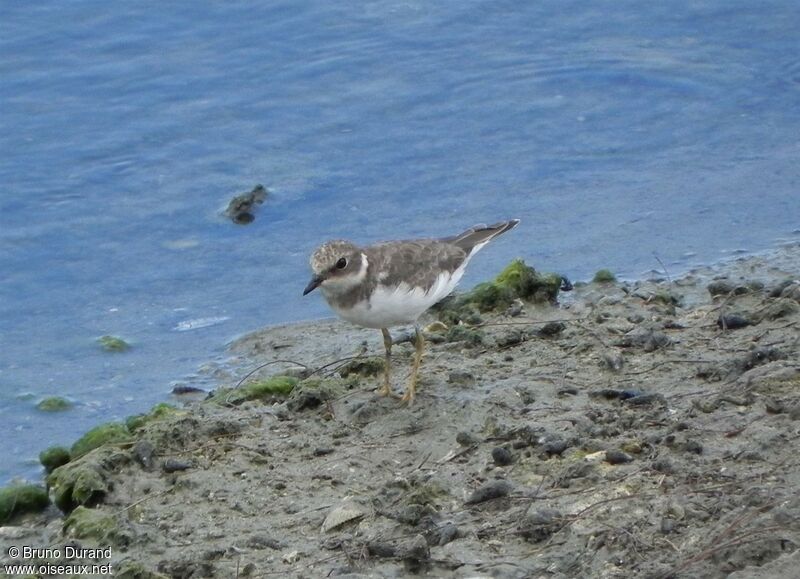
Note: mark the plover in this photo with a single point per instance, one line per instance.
(393, 283)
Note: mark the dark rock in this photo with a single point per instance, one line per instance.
(511, 338)
(693, 446)
(774, 406)
(501, 456)
(551, 329)
(182, 389)
(555, 447)
(175, 465)
(720, 287)
(663, 465)
(460, 377)
(143, 452)
(618, 457)
(540, 525)
(445, 534)
(647, 339)
(488, 491)
(241, 206)
(264, 542)
(466, 439)
(733, 321)
(381, 549)
(778, 290)
(646, 399)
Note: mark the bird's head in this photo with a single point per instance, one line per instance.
(337, 266)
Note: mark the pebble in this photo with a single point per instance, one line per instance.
(501, 456)
(555, 447)
(460, 377)
(143, 452)
(693, 446)
(540, 525)
(618, 457)
(732, 321)
(466, 439)
(175, 465)
(488, 491)
(551, 329)
(445, 534)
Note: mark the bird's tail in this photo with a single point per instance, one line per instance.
(474, 238)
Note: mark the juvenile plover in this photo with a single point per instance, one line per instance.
(392, 283)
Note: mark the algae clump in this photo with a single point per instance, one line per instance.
(54, 404)
(76, 483)
(54, 457)
(275, 386)
(113, 344)
(157, 412)
(18, 499)
(94, 525)
(517, 281)
(604, 276)
(108, 433)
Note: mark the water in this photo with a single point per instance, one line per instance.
(617, 131)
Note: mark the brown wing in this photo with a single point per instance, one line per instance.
(418, 263)
(480, 234)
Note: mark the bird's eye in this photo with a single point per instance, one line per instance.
(342, 263)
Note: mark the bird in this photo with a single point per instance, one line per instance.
(393, 283)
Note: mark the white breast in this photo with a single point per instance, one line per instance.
(390, 306)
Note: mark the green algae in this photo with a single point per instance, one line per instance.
(264, 390)
(95, 526)
(108, 433)
(54, 404)
(113, 343)
(19, 499)
(518, 281)
(160, 411)
(77, 483)
(54, 457)
(604, 276)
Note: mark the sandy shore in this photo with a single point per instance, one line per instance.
(636, 430)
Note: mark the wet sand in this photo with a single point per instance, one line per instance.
(641, 429)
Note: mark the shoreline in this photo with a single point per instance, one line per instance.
(635, 400)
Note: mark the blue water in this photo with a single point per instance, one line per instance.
(616, 130)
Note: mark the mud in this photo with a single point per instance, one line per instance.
(635, 430)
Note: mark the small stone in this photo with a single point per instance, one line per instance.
(732, 321)
(175, 465)
(720, 287)
(501, 456)
(540, 525)
(551, 329)
(445, 534)
(182, 389)
(466, 439)
(143, 452)
(555, 447)
(460, 377)
(618, 457)
(488, 491)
